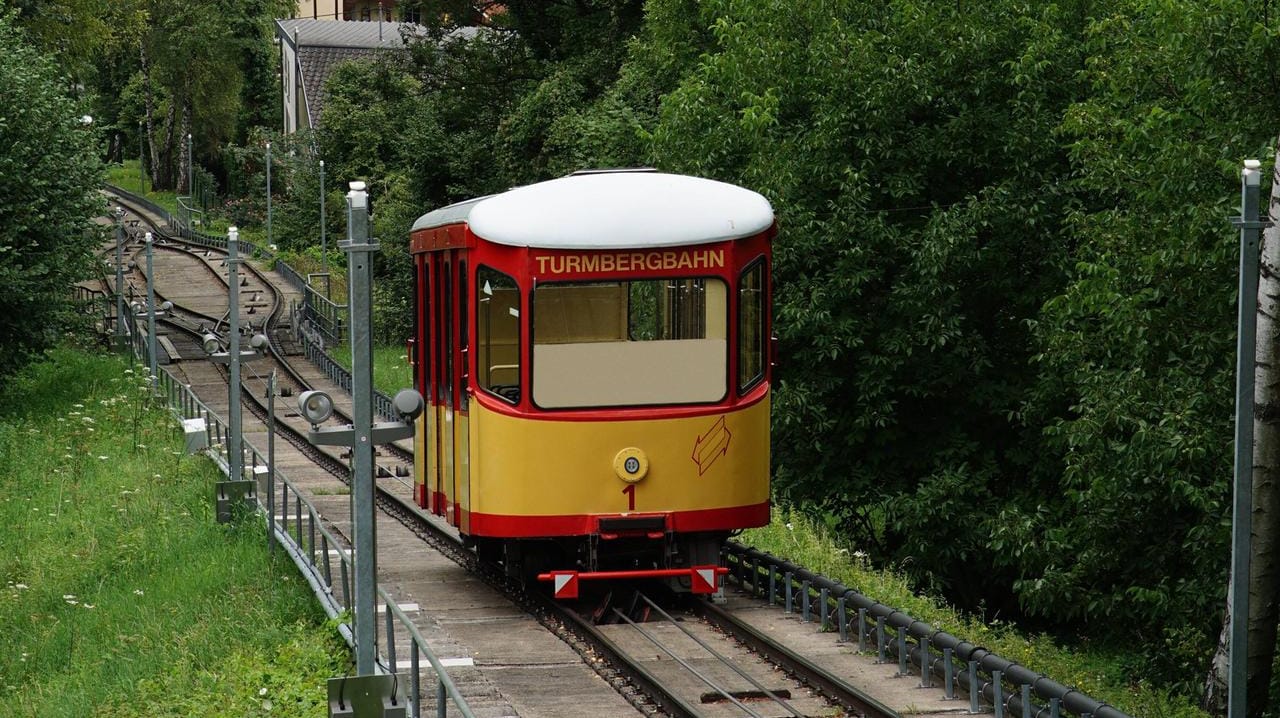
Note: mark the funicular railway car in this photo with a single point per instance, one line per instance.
(594, 351)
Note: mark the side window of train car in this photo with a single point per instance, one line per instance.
(751, 329)
(498, 334)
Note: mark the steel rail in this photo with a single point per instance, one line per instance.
(831, 686)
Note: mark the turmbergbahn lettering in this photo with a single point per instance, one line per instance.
(606, 262)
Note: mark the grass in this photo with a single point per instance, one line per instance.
(1100, 674)
(391, 370)
(128, 178)
(119, 593)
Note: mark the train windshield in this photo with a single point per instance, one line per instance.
(639, 343)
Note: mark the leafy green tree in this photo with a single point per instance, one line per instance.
(70, 32)
(49, 177)
(904, 148)
(1137, 352)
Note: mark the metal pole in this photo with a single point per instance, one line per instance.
(235, 454)
(271, 461)
(268, 195)
(191, 173)
(121, 338)
(142, 177)
(360, 247)
(151, 317)
(324, 251)
(1242, 505)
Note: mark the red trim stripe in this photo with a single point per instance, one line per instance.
(726, 519)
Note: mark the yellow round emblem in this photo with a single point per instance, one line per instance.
(631, 464)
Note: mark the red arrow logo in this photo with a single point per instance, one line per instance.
(711, 445)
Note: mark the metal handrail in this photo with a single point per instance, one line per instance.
(338, 374)
(831, 606)
(300, 542)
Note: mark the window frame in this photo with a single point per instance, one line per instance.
(479, 376)
(728, 354)
(750, 383)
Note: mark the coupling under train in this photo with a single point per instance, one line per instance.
(595, 356)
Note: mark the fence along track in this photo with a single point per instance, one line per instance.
(304, 537)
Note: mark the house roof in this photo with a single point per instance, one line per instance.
(340, 33)
(319, 45)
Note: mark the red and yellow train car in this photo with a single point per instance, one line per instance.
(594, 352)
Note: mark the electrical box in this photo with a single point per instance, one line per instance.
(196, 434)
(379, 696)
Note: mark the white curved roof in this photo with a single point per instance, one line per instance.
(608, 210)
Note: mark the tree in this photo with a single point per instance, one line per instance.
(1136, 353)
(49, 179)
(904, 148)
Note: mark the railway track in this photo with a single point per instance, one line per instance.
(688, 658)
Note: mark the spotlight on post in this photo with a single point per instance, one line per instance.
(408, 404)
(211, 344)
(316, 406)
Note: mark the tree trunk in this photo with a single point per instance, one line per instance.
(1264, 565)
(184, 159)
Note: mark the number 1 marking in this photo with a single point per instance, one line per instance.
(630, 491)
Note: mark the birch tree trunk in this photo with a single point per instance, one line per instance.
(184, 159)
(1264, 566)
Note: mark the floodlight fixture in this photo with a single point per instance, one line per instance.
(316, 406)
(408, 404)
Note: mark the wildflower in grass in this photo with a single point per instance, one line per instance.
(20, 586)
(137, 592)
(104, 458)
(88, 605)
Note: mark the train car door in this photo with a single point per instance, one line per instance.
(423, 362)
(461, 425)
(446, 348)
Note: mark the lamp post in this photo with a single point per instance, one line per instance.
(362, 434)
(151, 318)
(271, 462)
(191, 172)
(235, 488)
(121, 337)
(361, 249)
(235, 452)
(324, 252)
(269, 195)
(1242, 504)
(142, 177)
